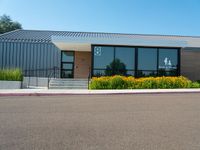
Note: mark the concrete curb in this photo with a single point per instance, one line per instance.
(45, 92)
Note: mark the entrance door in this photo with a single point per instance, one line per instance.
(67, 64)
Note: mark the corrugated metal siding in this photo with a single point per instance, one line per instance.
(30, 56)
(1, 55)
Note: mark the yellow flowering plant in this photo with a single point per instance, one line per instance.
(122, 82)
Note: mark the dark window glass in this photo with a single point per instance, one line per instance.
(167, 73)
(67, 56)
(147, 59)
(168, 59)
(126, 56)
(67, 66)
(98, 73)
(103, 56)
(141, 73)
(130, 73)
(66, 74)
(121, 61)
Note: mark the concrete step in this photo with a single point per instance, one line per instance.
(56, 79)
(68, 87)
(68, 84)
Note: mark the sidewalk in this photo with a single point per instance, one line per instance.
(46, 92)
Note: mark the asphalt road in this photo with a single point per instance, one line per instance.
(101, 122)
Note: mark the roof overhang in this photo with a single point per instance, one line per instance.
(84, 43)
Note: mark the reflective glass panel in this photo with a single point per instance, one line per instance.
(168, 59)
(67, 56)
(103, 56)
(98, 73)
(67, 66)
(147, 59)
(130, 73)
(167, 73)
(141, 73)
(66, 74)
(126, 56)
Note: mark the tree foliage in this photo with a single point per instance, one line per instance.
(7, 24)
(116, 67)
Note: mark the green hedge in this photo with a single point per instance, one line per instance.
(11, 75)
(121, 82)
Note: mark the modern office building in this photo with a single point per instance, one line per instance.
(78, 54)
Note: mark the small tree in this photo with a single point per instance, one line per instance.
(6, 24)
(116, 67)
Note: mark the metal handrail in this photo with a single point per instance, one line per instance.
(89, 78)
(48, 72)
(52, 74)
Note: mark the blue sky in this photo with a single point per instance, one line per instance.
(179, 17)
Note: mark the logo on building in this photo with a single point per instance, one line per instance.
(167, 62)
(97, 51)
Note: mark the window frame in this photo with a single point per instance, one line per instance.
(67, 62)
(178, 70)
(114, 56)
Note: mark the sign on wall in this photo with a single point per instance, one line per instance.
(97, 51)
(167, 64)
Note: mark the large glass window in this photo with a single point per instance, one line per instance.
(103, 56)
(126, 55)
(147, 59)
(113, 61)
(147, 62)
(134, 61)
(124, 61)
(168, 62)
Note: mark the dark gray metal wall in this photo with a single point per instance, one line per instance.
(40, 57)
(190, 63)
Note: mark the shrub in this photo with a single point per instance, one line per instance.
(100, 83)
(120, 82)
(11, 75)
(194, 85)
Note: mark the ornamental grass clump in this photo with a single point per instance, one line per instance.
(11, 75)
(121, 82)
